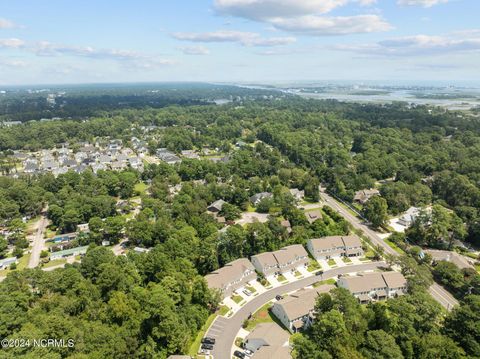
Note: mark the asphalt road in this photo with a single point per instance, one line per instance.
(224, 330)
(438, 292)
(38, 241)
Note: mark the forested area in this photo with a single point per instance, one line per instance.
(153, 304)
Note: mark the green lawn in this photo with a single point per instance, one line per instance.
(237, 299)
(23, 261)
(331, 262)
(322, 282)
(313, 265)
(260, 316)
(54, 263)
(195, 346)
(297, 274)
(140, 188)
(346, 260)
(394, 246)
(251, 289)
(281, 278)
(223, 310)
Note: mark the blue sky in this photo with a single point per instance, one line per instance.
(58, 41)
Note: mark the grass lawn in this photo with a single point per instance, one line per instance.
(281, 278)
(346, 260)
(477, 267)
(265, 283)
(260, 316)
(297, 274)
(251, 289)
(223, 310)
(394, 246)
(237, 299)
(140, 188)
(331, 262)
(313, 265)
(369, 254)
(23, 261)
(54, 263)
(322, 282)
(195, 346)
(250, 208)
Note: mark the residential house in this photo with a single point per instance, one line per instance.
(67, 237)
(297, 194)
(365, 194)
(295, 311)
(216, 206)
(257, 198)
(312, 216)
(460, 261)
(168, 156)
(190, 154)
(69, 252)
(266, 334)
(286, 224)
(335, 246)
(269, 352)
(231, 277)
(374, 286)
(265, 263)
(291, 258)
(7, 262)
(409, 216)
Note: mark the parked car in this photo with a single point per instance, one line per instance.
(207, 346)
(248, 352)
(238, 354)
(320, 272)
(278, 297)
(208, 340)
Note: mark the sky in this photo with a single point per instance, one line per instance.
(249, 41)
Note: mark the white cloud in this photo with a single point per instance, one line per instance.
(12, 63)
(420, 45)
(11, 43)
(6, 24)
(340, 25)
(304, 16)
(194, 50)
(424, 3)
(265, 9)
(244, 38)
(126, 57)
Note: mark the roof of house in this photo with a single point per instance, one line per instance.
(302, 302)
(449, 256)
(312, 216)
(266, 259)
(394, 279)
(7, 261)
(218, 204)
(271, 333)
(269, 352)
(259, 196)
(319, 244)
(352, 241)
(227, 274)
(290, 254)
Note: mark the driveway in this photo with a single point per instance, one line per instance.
(225, 330)
(38, 240)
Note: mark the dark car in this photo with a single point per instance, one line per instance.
(207, 346)
(208, 340)
(278, 297)
(239, 354)
(319, 272)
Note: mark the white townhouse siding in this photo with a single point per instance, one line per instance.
(231, 277)
(265, 263)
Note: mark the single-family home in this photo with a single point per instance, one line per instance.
(67, 237)
(269, 352)
(297, 194)
(69, 252)
(374, 286)
(409, 216)
(257, 198)
(7, 262)
(450, 256)
(312, 216)
(365, 194)
(266, 334)
(231, 277)
(295, 311)
(335, 246)
(216, 206)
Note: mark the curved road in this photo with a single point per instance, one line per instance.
(437, 291)
(224, 330)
